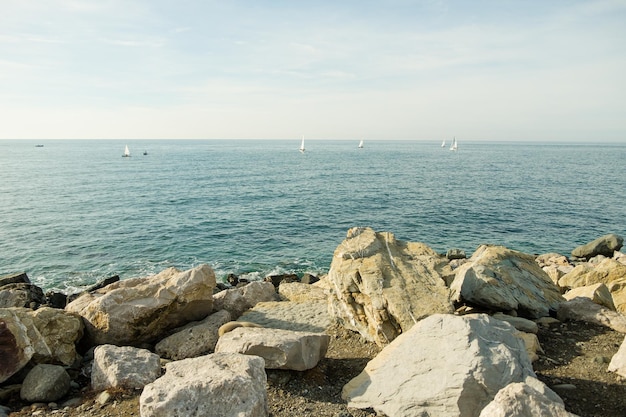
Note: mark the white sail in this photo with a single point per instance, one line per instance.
(126, 151)
(454, 145)
(443, 144)
(302, 144)
(361, 143)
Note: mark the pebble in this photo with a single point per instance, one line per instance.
(564, 387)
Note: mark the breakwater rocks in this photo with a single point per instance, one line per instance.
(393, 329)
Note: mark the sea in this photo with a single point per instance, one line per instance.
(73, 212)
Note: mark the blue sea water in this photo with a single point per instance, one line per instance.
(73, 212)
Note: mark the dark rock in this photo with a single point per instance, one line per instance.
(45, 383)
(233, 279)
(9, 356)
(309, 279)
(278, 279)
(19, 277)
(456, 254)
(56, 299)
(21, 294)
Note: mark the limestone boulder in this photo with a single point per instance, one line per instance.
(136, 311)
(502, 279)
(583, 309)
(16, 348)
(123, 367)
(219, 384)
(445, 365)
(618, 361)
(281, 349)
(237, 300)
(297, 291)
(194, 339)
(45, 383)
(381, 287)
(530, 398)
(604, 245)
(303, 316)
(598, 293)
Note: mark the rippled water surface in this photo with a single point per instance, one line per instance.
(73, 212)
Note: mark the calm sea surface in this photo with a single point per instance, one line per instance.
(74, 212)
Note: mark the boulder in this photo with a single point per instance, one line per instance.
(583, 309)
(15, 346)
(303, 316)
(14, 278)
(604, 245)
(194, 339)
(219, 384)
(45, 383)
(502, 279)
(598, 293)
(618, 361)
(445, 365)
(281, 349)
(139, 310)
(237, 300)
(21, 294)
(123, 367)
(530, 398)
(519, 323)
(381, 287)
(552, 259)
(296, 291)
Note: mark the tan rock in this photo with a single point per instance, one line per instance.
(139, 310)
(598, 293)
(382, 286)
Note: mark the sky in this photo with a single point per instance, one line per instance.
(342, 69)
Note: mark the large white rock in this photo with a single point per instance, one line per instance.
(194, 339)
(618, 362)
(281, 349)
(503, 279)
(219, 384)
(583, 309)
(530, 398)
(445, 365)
(139, 310)
(381, 287)
(237, 300)
(123, 366)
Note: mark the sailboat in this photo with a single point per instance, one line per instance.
(454, 145)
(126, 152)
(361, 143)
(302, 145)
(443, 144)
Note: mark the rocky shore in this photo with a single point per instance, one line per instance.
(393, 329)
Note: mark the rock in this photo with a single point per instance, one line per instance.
(303, 316)
(455, 254)
(598, 293)
(45, 383)
(56, 299)
(531, 341)
(309, 279)
(219, 384)
(14, 278)
(21, 294)
(194, 339)
(238, 300)
(519, 323)
(281, 349)
(123, 367)
(583, 309)
(552, 259)
(280, 278)
(296, 291)
(445, 365)
(502, 279)
(521, 399)
(98, 285)
(15, 346)
(618, 361)
(140, 310)
(604, 245)
(381, 286)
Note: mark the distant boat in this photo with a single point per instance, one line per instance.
(38, 146)
(126, 152)
(302, 145)
(361, 143)
(454, 145)
(145, 152)
(443, 144)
